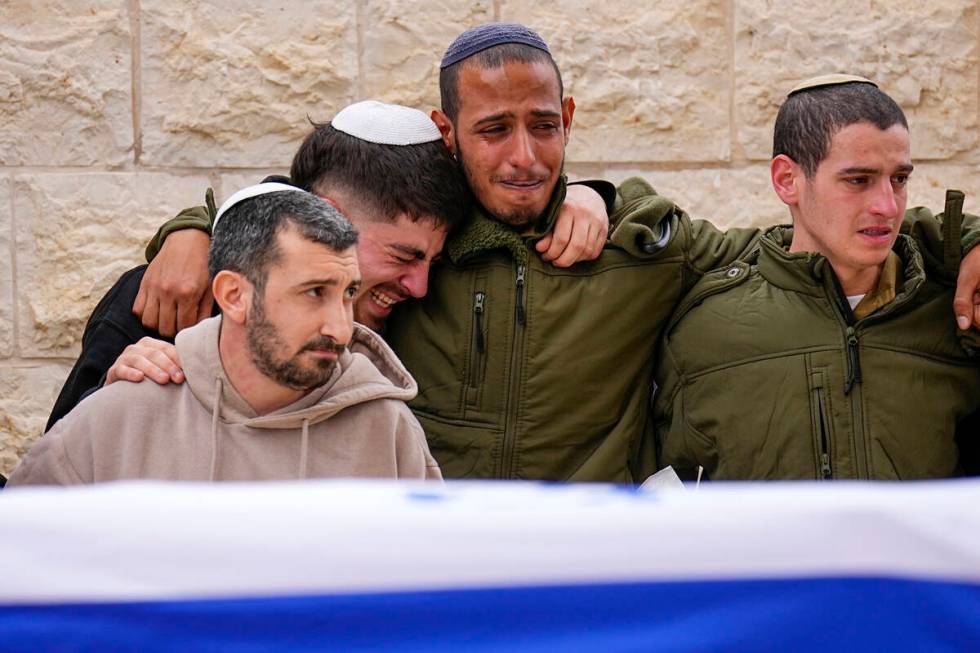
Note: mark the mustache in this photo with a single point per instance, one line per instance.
(324, 343)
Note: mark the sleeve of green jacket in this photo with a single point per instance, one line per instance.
(195, 217)
(649, 224)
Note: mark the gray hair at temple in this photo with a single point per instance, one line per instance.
(245, 240)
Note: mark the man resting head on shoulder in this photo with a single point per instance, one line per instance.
(281, 385)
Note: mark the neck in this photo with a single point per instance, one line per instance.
(853, 281)
(262, 393)
(857, 282)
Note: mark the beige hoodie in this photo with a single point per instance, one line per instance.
(356, 424)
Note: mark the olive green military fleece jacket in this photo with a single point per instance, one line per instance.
(765, 373)
(530, 371)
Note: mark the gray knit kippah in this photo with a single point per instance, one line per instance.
(486, 36)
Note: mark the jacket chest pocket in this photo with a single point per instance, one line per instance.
(476, 363)
(822, 422)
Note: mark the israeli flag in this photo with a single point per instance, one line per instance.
(387, 566)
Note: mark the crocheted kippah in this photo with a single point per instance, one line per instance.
(486, 36)
(829, 80)
(386, 124)
(248, 193)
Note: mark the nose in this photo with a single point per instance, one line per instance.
(885, 201)
(415, 282)
(522, 149)
(337, 322)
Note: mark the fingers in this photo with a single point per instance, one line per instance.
(206, 306)
(120, 372)
(140, 304)
(966, 301)
(580, 230)
(579, 243)
(167, 320)
(175, 284)
(148, 358)
(543, 244)
(187, 311)
(151, 313)
(560, 235)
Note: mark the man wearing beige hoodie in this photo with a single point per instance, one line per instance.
(282, 385)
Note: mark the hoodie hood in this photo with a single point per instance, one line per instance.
(368, 370)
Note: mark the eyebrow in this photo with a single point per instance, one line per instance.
(537, 113)
(410, 251)
(325, 282)
(862, 170)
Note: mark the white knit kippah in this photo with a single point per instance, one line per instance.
(386, 124)
(249, 192)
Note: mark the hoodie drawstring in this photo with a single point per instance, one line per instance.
(304, 448)
(215, 411)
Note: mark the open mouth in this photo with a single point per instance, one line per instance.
(876, 232)
(522, 185)
(382, 299)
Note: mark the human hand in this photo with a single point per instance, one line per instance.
(149, 357)
(966, 302)
(176, 291)
(580, 230)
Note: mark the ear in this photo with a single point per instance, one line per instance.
(445, 126)
(233, 292)
(787, 176)
(567, 112)
(331, 201)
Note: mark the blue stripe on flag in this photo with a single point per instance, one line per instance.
(780, 615)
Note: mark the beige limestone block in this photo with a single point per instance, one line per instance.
(227, 83)
(76, 234)
(740, 197)
(923, 54)
(928, 184)
(65, 82)
(651, 82)
(6, 273)
(27, 394)
(404, 41)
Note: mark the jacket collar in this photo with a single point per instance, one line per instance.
(810, 273)
(484, 233)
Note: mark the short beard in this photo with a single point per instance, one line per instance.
(263, 343)
(518, 218)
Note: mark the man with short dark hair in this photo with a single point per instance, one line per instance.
(526, 371)
(283, 384)
(831, 352)
(384, 166)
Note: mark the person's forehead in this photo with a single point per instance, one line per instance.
(299, 252)
(512, 80)
(423, 234)
(865, 141)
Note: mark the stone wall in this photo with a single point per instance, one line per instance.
(117, 113)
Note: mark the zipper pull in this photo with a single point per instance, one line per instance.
(853, 361)
(825, 466)
(478, 300)
(520, 295)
